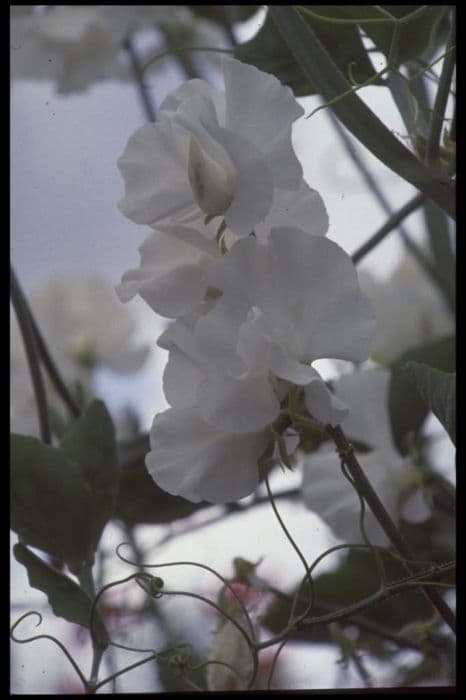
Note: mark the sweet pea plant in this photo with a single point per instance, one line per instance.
(238, 262)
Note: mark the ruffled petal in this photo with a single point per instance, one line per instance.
(261, 110)
(323, 405)
(192, 459)
(366, 394)
(304, 209)
(171, 274)
(254, 186)
(237, 405)
(154, 166)
(307, 288)
(181, 379)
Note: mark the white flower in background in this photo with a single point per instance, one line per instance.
(77, 45)
(224, 153)
(395, 479)
(171, 277)
(83, 324)
(83, 321)
(70, 45)
(409, 309)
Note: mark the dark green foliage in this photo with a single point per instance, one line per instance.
(66, 598)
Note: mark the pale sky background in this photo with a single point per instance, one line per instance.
(64, 189)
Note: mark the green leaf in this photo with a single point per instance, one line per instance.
(324, 75)
(438, 391)
(269, 52)
(406, 407)
(90, 442)
(66, 598)
(62, 497)
(420, 37)
(444, 258)
(51, 502)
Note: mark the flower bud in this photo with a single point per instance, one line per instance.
(210, 182)
(230, 647)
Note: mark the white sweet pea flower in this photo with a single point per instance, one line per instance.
(286, 302)
(425, 316)
(171, 278)
(223, 152)
(193, 459)
(395, 479)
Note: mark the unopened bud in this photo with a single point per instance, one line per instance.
(210, 182)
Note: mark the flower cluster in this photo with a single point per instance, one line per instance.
(238, 258)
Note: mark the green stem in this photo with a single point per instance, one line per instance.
(365, 488)
(31, 350)
(46, 357)
(52, 370)
(441, 98)
(146, 102)
(372, 184)
(86, 581)
(453, 126)
(325, 77)
(391, 224)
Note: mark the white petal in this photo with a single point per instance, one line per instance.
(217, 333)
(286, 367)
(154, 166)
(170, 278)
(366, 394)
(254, 187)
(191, 458)
(323, 405)
(181, 379)
(304, 209)
(330, 317)
(261, 110)
(237, 405)
(307, 288)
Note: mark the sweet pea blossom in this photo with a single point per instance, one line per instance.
(395, 479)
(286, 301)
(171, 277)
(220, 153)
(425, 316)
